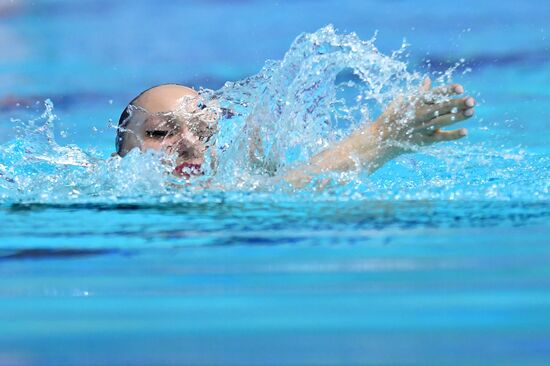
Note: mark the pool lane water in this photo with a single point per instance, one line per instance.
(350, 283)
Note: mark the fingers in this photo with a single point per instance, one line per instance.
(446, 90)
(426, 85)
(453, 89)
(439, 135)
(452, 106)
(449, 119)
(430, 97)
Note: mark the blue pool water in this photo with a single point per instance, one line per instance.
(440, 258)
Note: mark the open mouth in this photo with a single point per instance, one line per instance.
(186, 170)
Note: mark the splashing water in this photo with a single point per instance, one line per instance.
(326, 85)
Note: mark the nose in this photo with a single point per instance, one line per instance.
(183, 147)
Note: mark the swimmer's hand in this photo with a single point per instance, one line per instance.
(405, 125)
(417, 120)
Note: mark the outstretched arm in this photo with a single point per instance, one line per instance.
(406, 124)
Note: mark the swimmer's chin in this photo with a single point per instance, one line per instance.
(188, 168)
(183, 167)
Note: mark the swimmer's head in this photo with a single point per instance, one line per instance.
(167, 117)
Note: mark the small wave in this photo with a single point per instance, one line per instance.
(47, 253)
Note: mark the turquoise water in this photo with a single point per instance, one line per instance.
(439, 258)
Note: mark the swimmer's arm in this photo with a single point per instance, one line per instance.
(393, 133)
(361, 150)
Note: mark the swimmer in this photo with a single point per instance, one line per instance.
(171, 118)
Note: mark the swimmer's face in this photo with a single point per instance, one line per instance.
(170, 118)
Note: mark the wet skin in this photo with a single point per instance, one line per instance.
(170, 118)
(167, 118)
